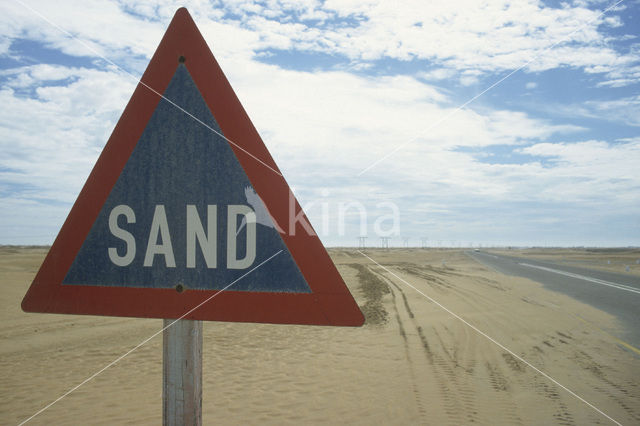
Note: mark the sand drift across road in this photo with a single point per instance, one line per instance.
(615, 293)
(585, 278)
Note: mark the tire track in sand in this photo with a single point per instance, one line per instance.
(615, 391)
(374, 288)
(457, 380)
(407, 347)
(447, 391)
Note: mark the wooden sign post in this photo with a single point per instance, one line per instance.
(182, 372)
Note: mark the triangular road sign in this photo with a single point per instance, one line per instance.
(186, 208)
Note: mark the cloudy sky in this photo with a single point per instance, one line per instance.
(484, 122)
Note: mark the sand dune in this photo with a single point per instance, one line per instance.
(411, 363)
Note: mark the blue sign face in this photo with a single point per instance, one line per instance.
(183, 212)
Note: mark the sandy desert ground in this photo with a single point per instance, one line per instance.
(412, 363)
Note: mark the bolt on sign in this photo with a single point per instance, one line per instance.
(186, 202)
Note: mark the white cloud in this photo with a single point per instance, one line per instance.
(351, 121)
(625, 110)
(487, 37)
(5, 42)
(50, 141)
(591, 153)
(624, 74)
(594, 171)
(320, 127)
(470, 36)
(437, 74)
(323, 127)
(618, 82)
(468, 80)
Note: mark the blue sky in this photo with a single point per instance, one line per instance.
(548, 156)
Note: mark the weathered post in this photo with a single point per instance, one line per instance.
(182, 373)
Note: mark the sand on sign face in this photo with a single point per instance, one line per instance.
(411, 363)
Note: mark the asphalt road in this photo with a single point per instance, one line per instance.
(616, 294)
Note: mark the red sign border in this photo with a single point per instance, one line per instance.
(329, 302)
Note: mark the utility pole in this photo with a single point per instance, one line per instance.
(384, 242)
(362, 242)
